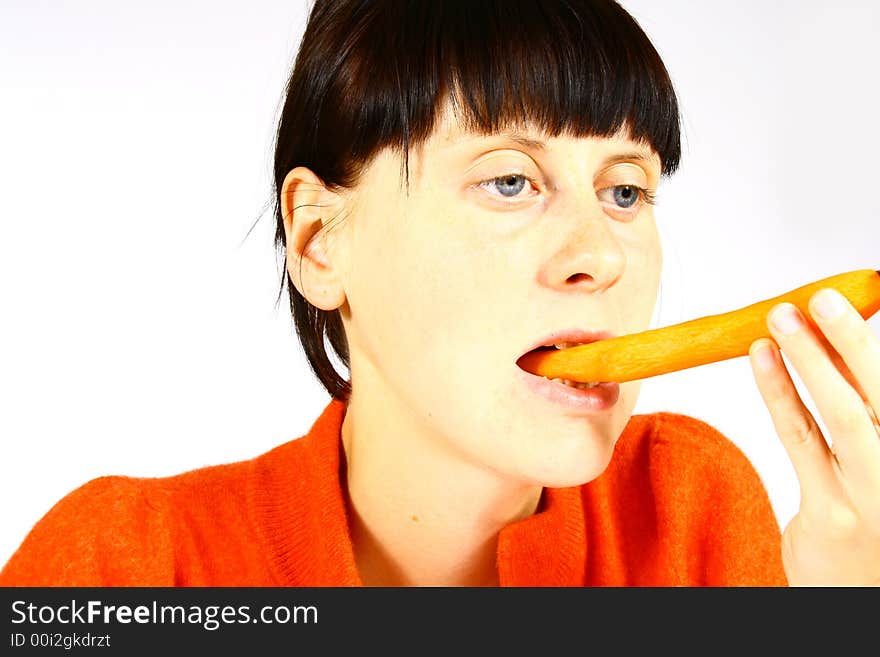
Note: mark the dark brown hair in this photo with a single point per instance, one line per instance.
(374, 74)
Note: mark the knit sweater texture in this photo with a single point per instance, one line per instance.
(678, 505)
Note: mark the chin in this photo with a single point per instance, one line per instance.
(576, 466)
(577, 477)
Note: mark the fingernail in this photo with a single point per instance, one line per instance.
(786, 319)
(829, 304)
(764, 357)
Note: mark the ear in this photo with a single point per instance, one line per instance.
(307, 206)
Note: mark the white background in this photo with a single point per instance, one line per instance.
(139, 330)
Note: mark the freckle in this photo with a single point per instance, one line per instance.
(415, 518)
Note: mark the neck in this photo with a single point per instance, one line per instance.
(420, 512)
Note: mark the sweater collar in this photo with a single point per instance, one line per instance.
(300, 511)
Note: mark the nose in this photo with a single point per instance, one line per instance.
(590, 259)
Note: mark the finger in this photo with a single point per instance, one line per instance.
(854, 440)
(797, 429)
(852, 338)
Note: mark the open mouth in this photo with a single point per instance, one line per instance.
(567, 382)
(578, 397)
(559, 341)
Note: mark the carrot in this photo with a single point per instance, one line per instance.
(697, 342)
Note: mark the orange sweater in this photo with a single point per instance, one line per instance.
(679, 504)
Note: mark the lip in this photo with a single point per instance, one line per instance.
(571, 335)
(591, 400)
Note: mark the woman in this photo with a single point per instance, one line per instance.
(458, 184)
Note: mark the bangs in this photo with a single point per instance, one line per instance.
(576, 68)
(580, 70)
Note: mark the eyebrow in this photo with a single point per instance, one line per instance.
(528, 142)
(634, 155)
(537, 144)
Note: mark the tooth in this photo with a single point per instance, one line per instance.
(584, 385)
(573, 384)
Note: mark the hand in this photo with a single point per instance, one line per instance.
(834, 540)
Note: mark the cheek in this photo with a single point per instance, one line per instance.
(652, 274)
(641, 279)
(408, 291)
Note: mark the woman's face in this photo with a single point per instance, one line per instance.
(498, 245)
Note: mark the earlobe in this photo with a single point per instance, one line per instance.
(306, 208)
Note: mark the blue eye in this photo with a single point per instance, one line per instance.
(626, 196)
(508, 186)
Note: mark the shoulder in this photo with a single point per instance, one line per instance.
(691, 465)
(688, 495)
(125, 531)
(684, 448)
(107, 526)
